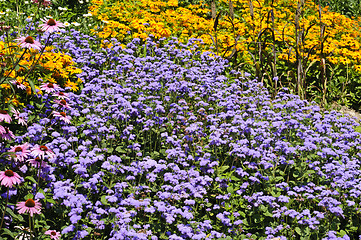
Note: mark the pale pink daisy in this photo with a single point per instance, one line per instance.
(43, 2)
(7, 135)
(17, 115)
(18, 84)
(63, 103)
(9, 178)
(50, 25)
(21, 151)
(29, 42)
(49, 87)
(41, 151)
(36, 162)
(62, 116)
(4, 116)
(53, 234)
(61, 95)
(2, 130)
(29, 206)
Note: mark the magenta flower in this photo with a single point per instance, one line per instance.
(62, 116)
(51, 25)
(45, 3)
(21, 120)
(6, 133)
(9, 178)
(28, 42)
(61, 95)
(36, 162)
(49, 87)
(63, 103)
(41, 151)
(53, 234)
(29, 206)
(4, 116)
(21, 151)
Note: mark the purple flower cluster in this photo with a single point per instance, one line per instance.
(163, 145)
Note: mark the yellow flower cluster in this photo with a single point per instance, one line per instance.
(136, 19)
(51, 67)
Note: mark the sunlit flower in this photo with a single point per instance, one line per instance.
(28, 42)
(29, 206)
(62, 116)
(53, 234)
(9, 178)
(50, 87)
(41, 151)
(25, 233)
(51, 25)
(4, 116)
(21, 151)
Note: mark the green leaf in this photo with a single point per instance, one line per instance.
(104, 200)
(30, 178)
(29, 196)
(8, 232)
(120, 149)
(230, 189)
(298, 231)
(222, 169)
(31, 83)
(12, 214)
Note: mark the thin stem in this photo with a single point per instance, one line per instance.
(15, 65)
(6, 204)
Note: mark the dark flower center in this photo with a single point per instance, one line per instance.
(18, 149)
(63, 102)
(30, 203)
(63, 114)
(37, 159)
(43, 148)
(50, 85)
(9, 173)
(61, 93)
(53, 233)
(29, 40)
(3, 112)
(51, 22)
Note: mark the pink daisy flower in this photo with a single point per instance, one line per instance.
(63, 103)
(21, 151)
(2, 130)
(43, 2)
(62, 116)
(4, 116)
(9, 178)
(29, 206)
(7, 134)
(18, 84)
(29, 42)
(53, 234)
(49, 87)
(41, 151)
(21, 120)
(61, 95)
(37, 161)
(51, 25)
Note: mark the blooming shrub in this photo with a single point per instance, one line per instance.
(165, 143)
(338, 45)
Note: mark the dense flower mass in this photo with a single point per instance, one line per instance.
(168, 142)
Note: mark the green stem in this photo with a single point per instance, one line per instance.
(6, 204)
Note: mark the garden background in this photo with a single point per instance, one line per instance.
(179, 119)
